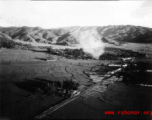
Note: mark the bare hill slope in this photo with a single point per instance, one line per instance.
(67, 36)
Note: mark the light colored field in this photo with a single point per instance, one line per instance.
(51, 45)
(145, 48)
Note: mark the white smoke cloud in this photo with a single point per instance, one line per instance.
(91, 42)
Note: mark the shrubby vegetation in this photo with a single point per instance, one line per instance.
(70, 53)
(51, 88)
(124, 53)
(7, 44)
(110, 54)
(136, 73)
(12, 44)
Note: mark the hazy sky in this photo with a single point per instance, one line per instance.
(52, 14)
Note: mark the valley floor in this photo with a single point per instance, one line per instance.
(19, 68)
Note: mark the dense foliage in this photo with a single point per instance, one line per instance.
(108, 55)
(136, 73)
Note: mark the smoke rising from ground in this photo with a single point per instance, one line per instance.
(91, 42)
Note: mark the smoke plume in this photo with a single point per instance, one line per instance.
(91, 42)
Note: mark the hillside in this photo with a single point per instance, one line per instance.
(6, 41)
(134, 34)
(70, 35)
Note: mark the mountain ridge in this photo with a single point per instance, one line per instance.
(112, 34)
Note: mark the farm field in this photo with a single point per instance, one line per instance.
(23, 71)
